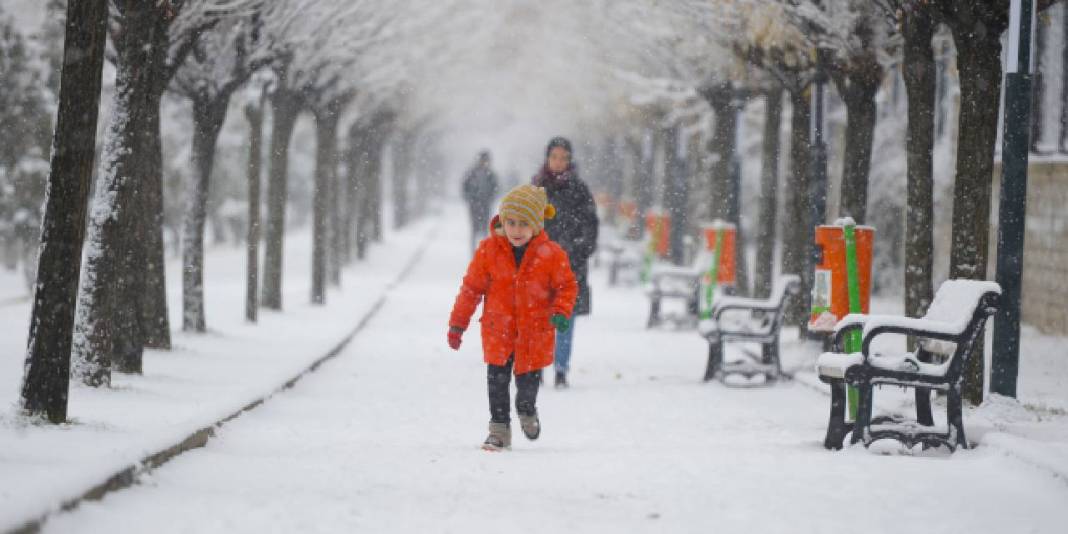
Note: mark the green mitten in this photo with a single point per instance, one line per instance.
(561, 322)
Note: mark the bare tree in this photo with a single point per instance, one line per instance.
(221, 62)
(122, 306)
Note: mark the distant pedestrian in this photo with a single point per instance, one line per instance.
(479, 191)
(527, 290)
(574, 228)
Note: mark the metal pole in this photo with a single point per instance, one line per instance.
(817, 183)
(1013, 203)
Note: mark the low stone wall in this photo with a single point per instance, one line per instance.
(1045, 278)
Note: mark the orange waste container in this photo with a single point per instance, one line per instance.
(830, 289)
(628, 209)
(659, 227)
(726, 273)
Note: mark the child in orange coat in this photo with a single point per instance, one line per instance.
(529, 290)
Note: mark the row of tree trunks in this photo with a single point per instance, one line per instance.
(110, 321)
(285, 107)
(47, 379)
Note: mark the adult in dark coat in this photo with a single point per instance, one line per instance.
(479, 190)
(574, 228)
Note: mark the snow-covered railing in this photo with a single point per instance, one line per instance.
(945, 336)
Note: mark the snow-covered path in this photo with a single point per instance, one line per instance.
(386, 437)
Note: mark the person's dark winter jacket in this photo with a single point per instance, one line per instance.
(479, 189)
(575, 226)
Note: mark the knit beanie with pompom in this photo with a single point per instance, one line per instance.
(527, 203)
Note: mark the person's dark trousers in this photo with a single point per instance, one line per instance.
(498, 378)
(479, 222)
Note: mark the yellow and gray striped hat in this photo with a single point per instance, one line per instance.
(527, 203)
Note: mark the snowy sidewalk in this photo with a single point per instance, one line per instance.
(386, 437)
(204, 379)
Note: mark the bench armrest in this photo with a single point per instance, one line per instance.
(728, 303)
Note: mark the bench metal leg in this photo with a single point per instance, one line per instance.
(864, 410)
(837, 428)
(954, 416)
(923, 407)
(654, 312)
(715, 359)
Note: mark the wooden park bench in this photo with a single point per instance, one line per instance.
(946, 337)
(749, 320)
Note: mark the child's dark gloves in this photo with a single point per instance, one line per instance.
(455, 335)
(560, 321)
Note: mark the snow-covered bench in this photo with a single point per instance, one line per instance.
(680, 282)
(748, 320)
(622, 259)
(946, 336)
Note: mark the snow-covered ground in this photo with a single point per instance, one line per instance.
(387, 435)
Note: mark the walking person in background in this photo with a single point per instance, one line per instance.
(479, 190)
(527, 290)
(574, 228)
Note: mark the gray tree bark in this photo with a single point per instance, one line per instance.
(326, 121)
(919, 74)
(979, 64)
(769, 194)
(284, 110)
(254, 114)
(858, 81)
(208, 116)
(47, 379)
(797, 239)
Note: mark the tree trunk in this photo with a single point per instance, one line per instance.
(645, 177)
(769, 195)
(722, 148)
(284, 111)
(155, 321)
(254, 114)
(676, 194)
(325, 162)
(352, 199)
(797, 240)
(47, 370)
(208, 116)
(858, 85)
(337, 252)
(979, 63)
(402, 166)
(919, 73)
(109, 317)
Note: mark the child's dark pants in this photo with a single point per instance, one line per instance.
(498, 378)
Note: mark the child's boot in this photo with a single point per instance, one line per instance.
(499, 438)
(531, 425)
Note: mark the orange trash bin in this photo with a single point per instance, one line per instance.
(830, 289)
(659, 228)
(726, 273)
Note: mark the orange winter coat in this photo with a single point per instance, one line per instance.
(518, 302)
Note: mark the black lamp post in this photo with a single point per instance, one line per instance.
(1012, 210)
